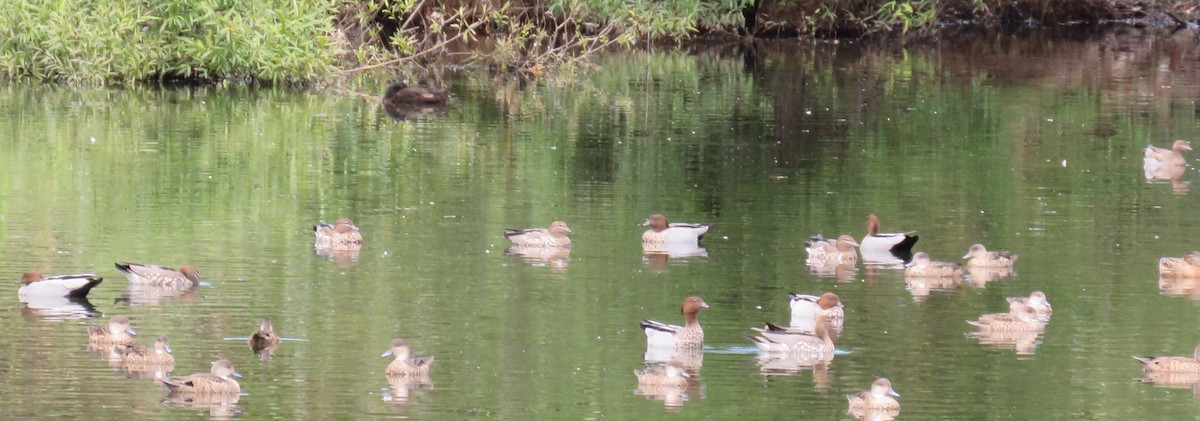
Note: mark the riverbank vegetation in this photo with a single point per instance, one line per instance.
(287, 41)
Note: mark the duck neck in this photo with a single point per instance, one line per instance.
(690, 318)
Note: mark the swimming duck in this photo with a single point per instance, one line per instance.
(1175, 364)
(554, 236)
(839, 250)
(980, 257)
(342, 235)
(805, 309)
(399, 94)
(33, 284)
(664, 236)
(1154, 158)
(778, 339)
(405, 364)
(117, 332)
(1024, 319)
(672, 374)
(162, 276)
(1187, 266)
(879, 397)
(690, 335)
(218, 381)
(1036, 300)
(140, 355)
(876, 242)
(264, 337)
(922, 265)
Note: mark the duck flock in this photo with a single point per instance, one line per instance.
(672, 351)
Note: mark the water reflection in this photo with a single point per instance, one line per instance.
(785, 364)
(921, 286)
(400, 387)
(1174, 380)
(672, 397)
(218, 407)
(981, 276)
(659, 260)
(343, 259)
(58, 308)
(150, 295)
(1184, 287)
(1172, 174)
(555, 258)
(402, 112)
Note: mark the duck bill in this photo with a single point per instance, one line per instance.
(388, 353)
(167, 348)
(893, 392)
(239, 375)
(130, 331)
(967, 256)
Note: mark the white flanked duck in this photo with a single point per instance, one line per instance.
(160, 276)
(688, 336)
(816, 345)
(33, 284)
(665, 237)
(553, 236)
(806, 309)
(898, 244)
(1154, 159)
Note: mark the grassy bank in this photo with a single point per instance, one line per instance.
(282, 41)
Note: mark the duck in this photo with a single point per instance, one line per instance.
(806, 308)
(406, 365)
(777, 339)
(264, 337)
(1187, 266)
(664, 236)
(218, 381)
(33, 284)
(1172, 364)
(1154, 158)
(672, 374)
(1036, 300)
(923, 266)
(839, 250)
(688, 336)
(881, 396)
(554, 236)
(897, 244)
(184, 277)
(342, 235)
(978, 256)
(400, 94)
(139, 355)
(1024, 319)
(117, 332)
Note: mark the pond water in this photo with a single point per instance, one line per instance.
(1025, 142)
